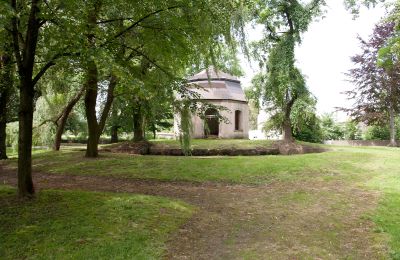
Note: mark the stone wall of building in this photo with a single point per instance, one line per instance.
(226, 130)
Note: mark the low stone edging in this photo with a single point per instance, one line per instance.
(358, 142)
(280, 148)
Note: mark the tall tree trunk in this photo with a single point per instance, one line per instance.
(138, 133)
(3, 135)
(25, 60)
(90, 109)
(25, 116)
(96, 128)
(62, 119)
(287, 130)
(114, 134)
(392, 127)
(5, 86)
(91, 85)
(287, 123)
(107, 106)
(3, 124)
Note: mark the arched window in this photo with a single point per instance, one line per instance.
(238, 119)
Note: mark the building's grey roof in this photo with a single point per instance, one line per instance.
(217, 85)
(212, 74)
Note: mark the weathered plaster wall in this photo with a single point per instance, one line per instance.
(226, 131)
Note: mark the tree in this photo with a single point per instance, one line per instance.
(6, 88)
(282, 82)
(376, 94)
(29, 24)
(100, 34)
(331, 130)
(310, 131)
(61, 90)
(355, 5)
(352, 131)
(305, 122)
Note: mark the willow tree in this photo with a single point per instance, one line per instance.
(281, 82)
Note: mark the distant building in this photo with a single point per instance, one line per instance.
(220, 89)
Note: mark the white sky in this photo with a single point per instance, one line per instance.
(324, 55)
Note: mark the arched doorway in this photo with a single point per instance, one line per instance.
(211, 123)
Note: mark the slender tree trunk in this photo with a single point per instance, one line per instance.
(3, 135)
(5, 86)
(25, 116)
(25, 60)
(3, 145)
(91, 86)
(90, 109)
(108, 105)
(114, 134)
(392, 127)
(138, 133)
(95, 128)
(62, 120)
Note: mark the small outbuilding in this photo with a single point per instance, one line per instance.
(220, 89)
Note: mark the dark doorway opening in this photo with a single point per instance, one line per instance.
(211, 124)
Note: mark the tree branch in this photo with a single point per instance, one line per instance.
(154, 63)
(50, 64)
(137, 23)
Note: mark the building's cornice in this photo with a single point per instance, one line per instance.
(223, 99)
(214, 79)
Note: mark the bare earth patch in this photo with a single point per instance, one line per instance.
(286, 220)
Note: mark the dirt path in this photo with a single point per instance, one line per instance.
(321, 220)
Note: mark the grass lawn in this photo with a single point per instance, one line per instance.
(374, 169)
(343, 163)
(87, 225)
(11, 153)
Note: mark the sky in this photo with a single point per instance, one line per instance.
(324, 54)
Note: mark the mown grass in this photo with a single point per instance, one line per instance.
(13, 153)
(87, 225)
(248, 170)
(374, 168)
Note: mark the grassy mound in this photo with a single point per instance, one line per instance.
(85, 225)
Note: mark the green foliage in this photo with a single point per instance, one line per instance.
(185, 126)
(254, 108)
(352, 131)
(281, 83)
(381, 131)
(331, 129)
(76, 125)
(310, 131)
(355, 5)
(377, 132)
(12, 136)
(84, 225)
